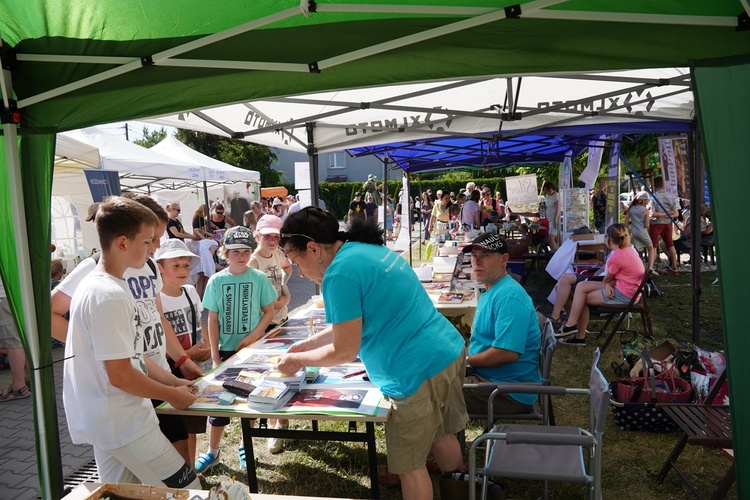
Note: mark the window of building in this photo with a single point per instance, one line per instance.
(337, 160)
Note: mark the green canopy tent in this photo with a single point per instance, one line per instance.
(67, 65)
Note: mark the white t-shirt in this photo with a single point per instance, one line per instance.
(178, 313)
(271, 266)
(103, 316)
(144, 288)
(468, 212)
(553, 213)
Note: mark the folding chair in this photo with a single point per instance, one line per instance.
(540, 251)
(702, 424)
(546, 453)
(545, 415)
(638, 304)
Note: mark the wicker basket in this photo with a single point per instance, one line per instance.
(516, 248)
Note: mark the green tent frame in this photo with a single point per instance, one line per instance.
(67, 65)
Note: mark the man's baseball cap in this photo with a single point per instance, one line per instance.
(92, 211)
(357, 194)
(269, 224)
(489, 242)
(239, 237)
(173, 248)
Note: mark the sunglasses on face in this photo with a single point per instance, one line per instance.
(220, 211)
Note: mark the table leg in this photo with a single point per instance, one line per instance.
(372, 454)
(252, 478)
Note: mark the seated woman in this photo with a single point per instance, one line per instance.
(625, 272)
(219, 222)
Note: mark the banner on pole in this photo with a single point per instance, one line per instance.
(523, 194)
(102, 183)
(404, 235)
(673, 159)
(613, 182)
(590, 173)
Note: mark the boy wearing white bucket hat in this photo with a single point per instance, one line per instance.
(183, 309)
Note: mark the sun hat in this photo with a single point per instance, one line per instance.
(239, 237)
(92, 211)
(370, 176)
(643, 195)
(277, 201)
(269, 224)
(489, 242)
(173, 248)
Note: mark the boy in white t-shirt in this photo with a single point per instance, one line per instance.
(183, 309)
(107, 378)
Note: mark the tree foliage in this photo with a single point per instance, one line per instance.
(151, 138)
(240, 154)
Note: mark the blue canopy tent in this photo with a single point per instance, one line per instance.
(547, 145)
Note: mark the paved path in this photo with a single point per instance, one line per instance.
(19, 478)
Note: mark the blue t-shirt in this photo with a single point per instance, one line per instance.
(405, 341)
(506, 319)
(238, 300)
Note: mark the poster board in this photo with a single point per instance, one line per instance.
(522, 193)
(673, 159)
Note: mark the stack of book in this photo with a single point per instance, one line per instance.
(269, 395)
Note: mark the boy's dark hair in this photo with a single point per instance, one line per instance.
(120, 216)
(475, 196)
(149, 203)
(658, 182)
(548, 185)
(314, 224)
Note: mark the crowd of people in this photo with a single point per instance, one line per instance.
(133, 330)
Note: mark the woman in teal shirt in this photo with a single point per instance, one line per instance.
(411, 352)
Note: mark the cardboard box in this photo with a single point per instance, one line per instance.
(583, 237)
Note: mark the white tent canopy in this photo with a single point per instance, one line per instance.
(213, 170)
(472, 107)
(174, 175)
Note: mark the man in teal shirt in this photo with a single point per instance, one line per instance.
(504, 343)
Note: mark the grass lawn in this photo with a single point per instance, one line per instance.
(631, 459)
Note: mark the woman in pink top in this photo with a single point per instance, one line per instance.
(624, 273)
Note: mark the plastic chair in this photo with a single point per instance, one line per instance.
(621, 312)
(546, 453)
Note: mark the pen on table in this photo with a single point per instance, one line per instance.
(354, 374)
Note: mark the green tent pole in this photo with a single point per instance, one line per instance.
(21, 293)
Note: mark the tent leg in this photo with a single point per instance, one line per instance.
(18, 216)
(312, 153)
(696, 204)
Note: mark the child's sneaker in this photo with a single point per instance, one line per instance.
(205, 461)
(241, 455)
(572, 340)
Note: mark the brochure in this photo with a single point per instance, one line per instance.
(451, 298)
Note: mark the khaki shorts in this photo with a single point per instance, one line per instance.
(415, 422)
(9, 338)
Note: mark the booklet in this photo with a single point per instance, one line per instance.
(451, 298)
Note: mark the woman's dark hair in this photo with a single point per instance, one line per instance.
(314, 224)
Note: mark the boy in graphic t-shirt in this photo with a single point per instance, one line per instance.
(240, 301)
(107, 378)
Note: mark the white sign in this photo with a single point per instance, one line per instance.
(522, 193)
(302, 175)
